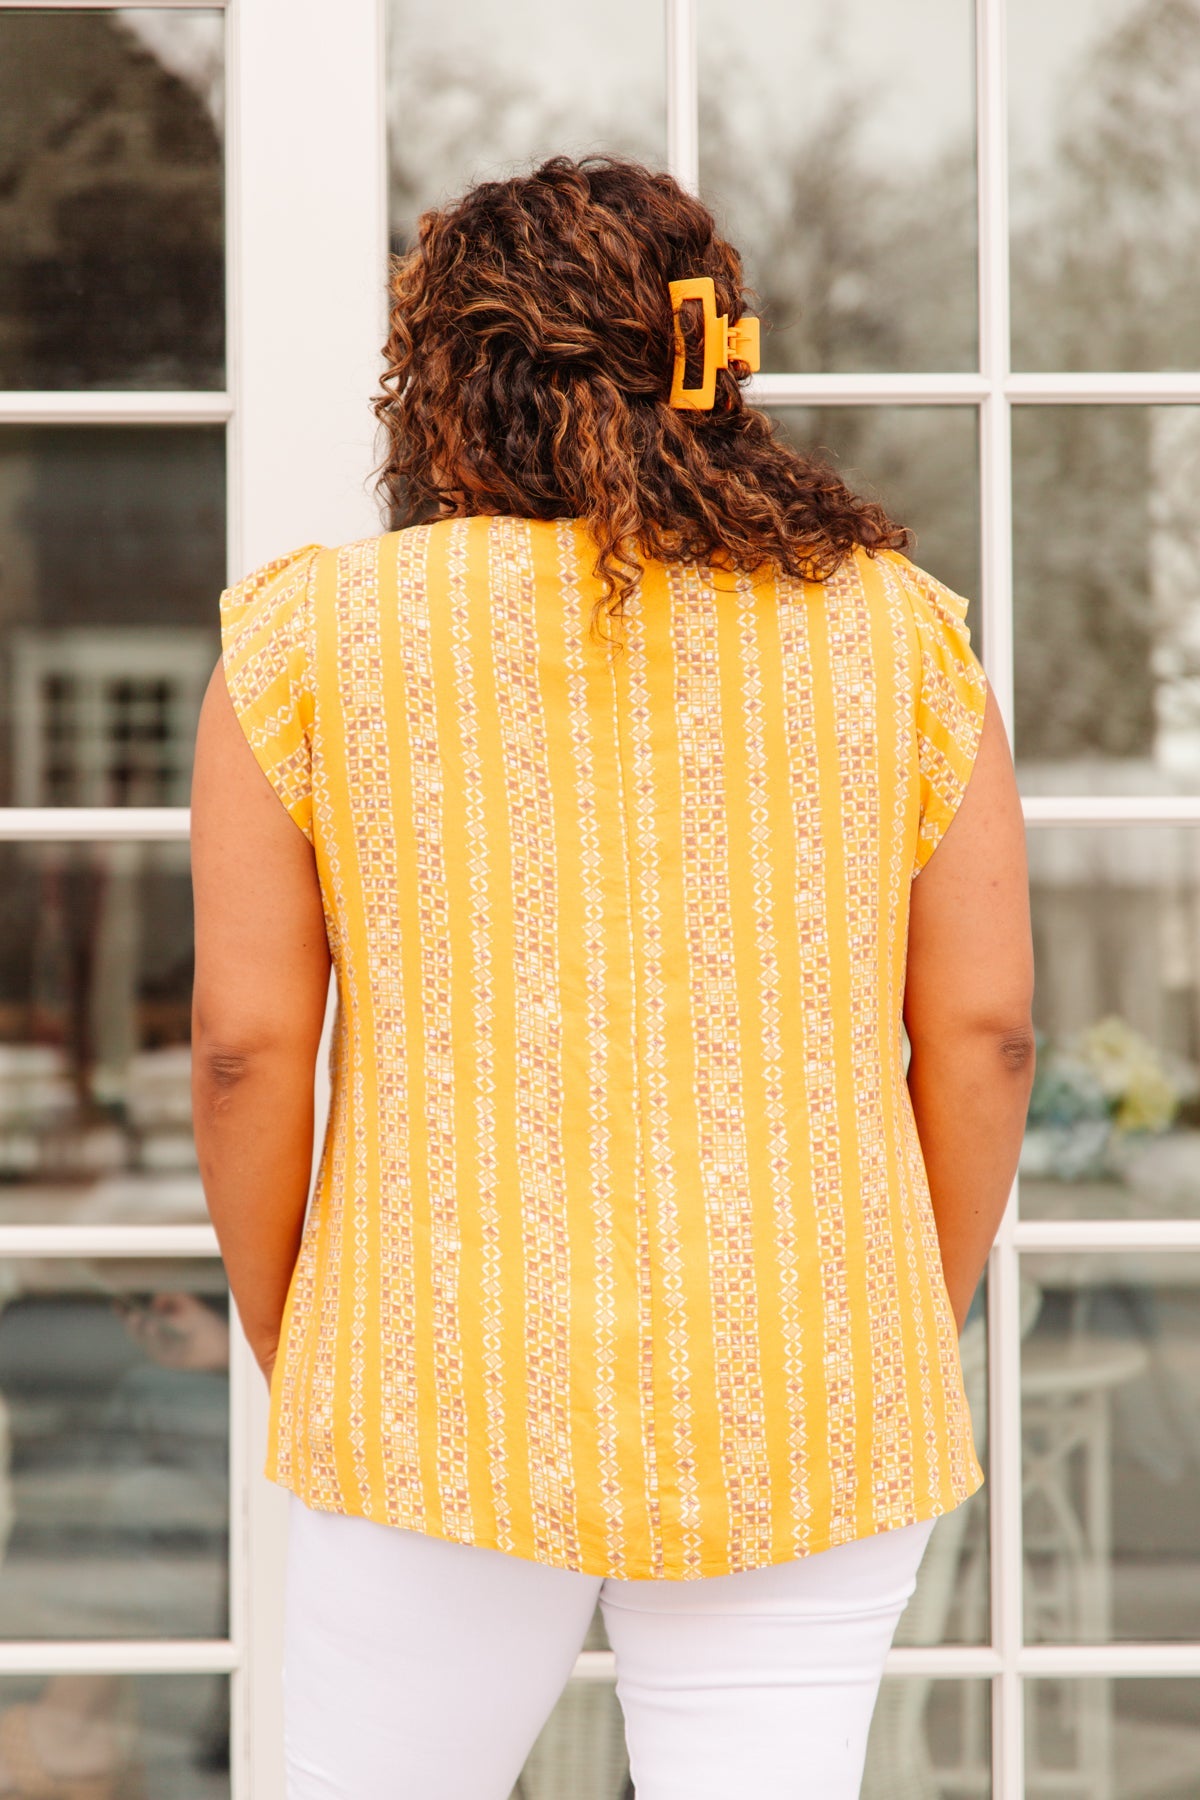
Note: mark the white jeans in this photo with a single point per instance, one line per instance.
(417, 1669)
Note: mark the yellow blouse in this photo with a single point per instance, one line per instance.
(621, 1256)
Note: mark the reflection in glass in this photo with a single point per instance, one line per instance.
(951, 1602)
(114, 1476)
(937, 1732)
(1107, 598)
(1114, 1117)
(921, 463)
(162, 1736)
(95, 1000)
(580, 1751)
(929, 1739)
(837, 148)
(111, 226)
(474, 101)
(113, 556)
(1123, 1740)
(1110, 1398)
(1105, 139)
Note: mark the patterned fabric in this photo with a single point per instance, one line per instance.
(622, 1256)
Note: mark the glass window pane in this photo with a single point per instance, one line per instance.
(1107, 598)
(580, 1751)
(113, 556)
(929, 1739)
(951, 1602)
(1125, 1740)
(95, 999)
(1114, 1117)
(1110, 1399)
(111, 210)
(936, 1731)
(114, 1479)
(921, 462)
(162, 1736)
(1105, 136)
(837, 146)
(481, 98)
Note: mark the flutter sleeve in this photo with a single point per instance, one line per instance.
(950, 707)
(266, 650)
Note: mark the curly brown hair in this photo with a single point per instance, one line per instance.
(529, 362)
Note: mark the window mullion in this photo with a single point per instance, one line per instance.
(996, 435)
(683, 97)
(307, 194)
(995, 473)
(103, 1240)
(849, 389)
(92, 824)
(118, 1656)
(1111, 809)
(1165, 387)
(108, 6)
(34, 406)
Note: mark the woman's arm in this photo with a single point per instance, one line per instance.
(967, 1011)
(262, 977)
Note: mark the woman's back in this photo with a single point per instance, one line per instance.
(622, 1256)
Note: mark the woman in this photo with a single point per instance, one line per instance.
(628, 1277)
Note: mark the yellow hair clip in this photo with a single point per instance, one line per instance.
(723, 343)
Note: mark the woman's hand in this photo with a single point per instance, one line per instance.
(178, 1331)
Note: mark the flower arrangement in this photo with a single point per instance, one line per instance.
(1099, 1086)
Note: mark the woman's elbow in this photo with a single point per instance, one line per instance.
(1017, 1049)
(221, 1073)
(1007, 1044)
(219, 1068)
(229, 1049)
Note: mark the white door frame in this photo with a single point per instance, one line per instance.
(306, 311)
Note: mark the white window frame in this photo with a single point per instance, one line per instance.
(306, 234)
(306, 246)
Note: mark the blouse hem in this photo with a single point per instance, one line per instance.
(599, 1566)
